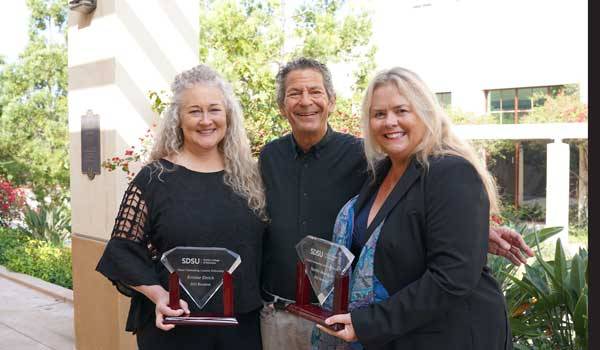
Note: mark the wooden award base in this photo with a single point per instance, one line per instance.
(306, 310)
(202, 318)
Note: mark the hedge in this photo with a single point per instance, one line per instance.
(36, 258)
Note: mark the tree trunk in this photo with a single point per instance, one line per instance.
(582, 190)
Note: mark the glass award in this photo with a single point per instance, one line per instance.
(324, 266)
(200, 272)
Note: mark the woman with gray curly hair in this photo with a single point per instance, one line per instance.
(201, 187)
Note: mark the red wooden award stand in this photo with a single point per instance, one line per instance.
(202, 318)
(305, 309)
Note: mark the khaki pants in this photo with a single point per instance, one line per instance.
(282, 330)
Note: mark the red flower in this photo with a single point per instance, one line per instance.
(11, 200)
(128, 152)
(496, 219)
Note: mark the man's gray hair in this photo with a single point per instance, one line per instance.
(301, 64)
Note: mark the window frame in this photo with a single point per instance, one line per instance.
(440, 94)
(516, 112)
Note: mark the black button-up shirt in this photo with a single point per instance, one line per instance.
(304, 193)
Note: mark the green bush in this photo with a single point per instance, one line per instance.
(526, 212)
(10, 239)
(36, 258)
(578, 234)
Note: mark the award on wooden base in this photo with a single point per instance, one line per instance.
(325, 266)
(201, 272)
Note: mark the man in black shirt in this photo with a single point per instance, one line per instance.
(309, 175)
(305, 191)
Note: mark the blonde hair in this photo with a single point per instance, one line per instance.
(241, 170)
(439, 139)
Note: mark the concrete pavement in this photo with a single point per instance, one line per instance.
(31, 320)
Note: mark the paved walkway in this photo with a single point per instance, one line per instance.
(30, 320)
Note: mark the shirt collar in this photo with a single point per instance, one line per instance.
(316, 148)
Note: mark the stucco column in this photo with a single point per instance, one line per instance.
(557, 187)
(116, 55)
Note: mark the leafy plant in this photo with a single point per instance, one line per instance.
(548, 302)
(500, 267)
(52, 224)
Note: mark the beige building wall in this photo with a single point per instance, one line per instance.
(116, 54)
(468, 46)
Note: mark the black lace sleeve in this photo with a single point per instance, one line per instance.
(127, 258)
(132, 216)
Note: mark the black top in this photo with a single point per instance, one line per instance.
(359, 232)
(180, 207)
(304, 193)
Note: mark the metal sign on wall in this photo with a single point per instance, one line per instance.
(90, 144)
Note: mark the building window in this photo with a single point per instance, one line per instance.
(508, 106)
(444, 98)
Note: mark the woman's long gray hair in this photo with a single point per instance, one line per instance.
(241, 170)
(439, 139)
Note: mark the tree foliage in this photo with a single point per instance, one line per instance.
(247, 41)
(33, 106)
(565, 107)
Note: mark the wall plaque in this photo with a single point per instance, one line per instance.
(83, 6)
(90, 144)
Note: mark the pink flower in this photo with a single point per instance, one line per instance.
(496, 219)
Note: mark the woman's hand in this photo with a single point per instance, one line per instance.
(160, 297)
(346, 334)
(162, 309)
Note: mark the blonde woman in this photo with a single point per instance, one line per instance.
(200, 188)
(419, 229)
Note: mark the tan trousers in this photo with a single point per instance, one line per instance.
(281, 330)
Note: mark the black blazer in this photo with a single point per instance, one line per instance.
(431, 258)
